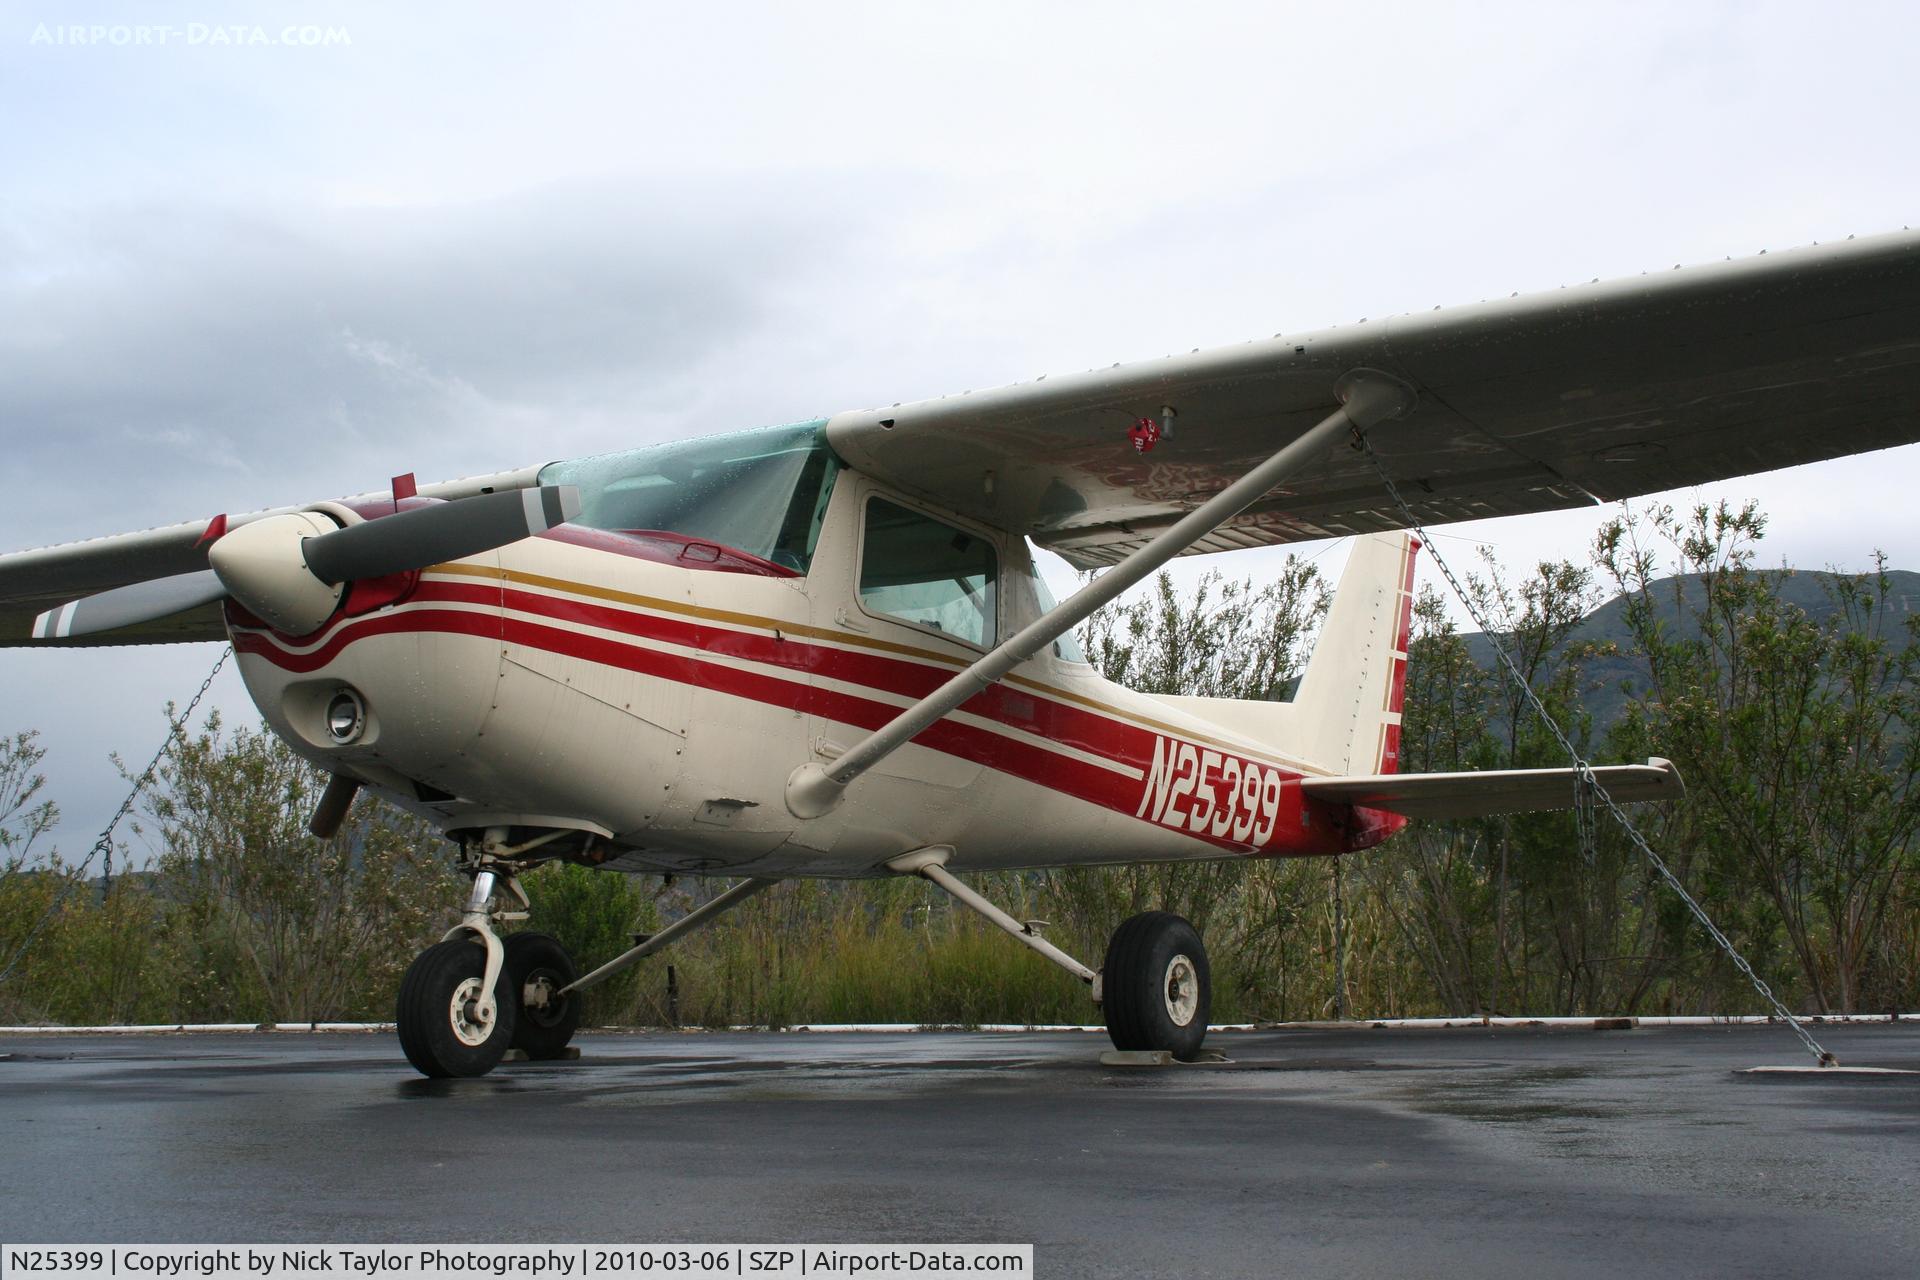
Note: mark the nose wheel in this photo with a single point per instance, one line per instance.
(467, 1000)
(447, 1027)
(1157, 991)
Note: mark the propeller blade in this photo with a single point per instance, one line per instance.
(447, 531)
(125, 606)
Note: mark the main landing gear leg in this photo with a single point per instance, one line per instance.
(686, 924)
(1155, 989)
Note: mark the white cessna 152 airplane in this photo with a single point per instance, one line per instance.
(823, 649)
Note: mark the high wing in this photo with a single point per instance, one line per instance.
(32, 581)
(1588, 393)
(1476, 795)
(1584, 394)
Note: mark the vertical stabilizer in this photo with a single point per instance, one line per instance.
(1345, 715)
(1346, 712)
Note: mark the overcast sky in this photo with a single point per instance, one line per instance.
(245, 267)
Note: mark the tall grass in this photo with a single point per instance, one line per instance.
(901, 951)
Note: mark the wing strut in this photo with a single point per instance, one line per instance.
(932, 865)
(686, 924)
(1367, 397)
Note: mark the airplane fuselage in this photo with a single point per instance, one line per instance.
(657, 690)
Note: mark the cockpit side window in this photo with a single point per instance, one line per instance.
(927, 572)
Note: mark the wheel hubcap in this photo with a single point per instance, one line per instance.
(469, 1027)
(1182, 990)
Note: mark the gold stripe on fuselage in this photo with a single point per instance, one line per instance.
(784, 627)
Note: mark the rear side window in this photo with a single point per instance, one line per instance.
(1067, 647)
(921, 570)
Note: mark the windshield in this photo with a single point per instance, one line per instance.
(763, 492)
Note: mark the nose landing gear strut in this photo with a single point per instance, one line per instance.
(472, 996)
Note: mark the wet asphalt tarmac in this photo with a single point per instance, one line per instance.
(1353, 1152)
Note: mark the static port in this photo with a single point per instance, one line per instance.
(346, 717)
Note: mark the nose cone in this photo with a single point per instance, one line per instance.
(264, 568)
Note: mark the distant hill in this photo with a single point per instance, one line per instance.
(1607, 677)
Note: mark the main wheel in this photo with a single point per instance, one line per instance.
(1156, 991)
(534, 959)
(438, 1014)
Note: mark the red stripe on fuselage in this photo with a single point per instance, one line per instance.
(450, 621)
(1058, 722)
(1109, 738)
(1067, 725)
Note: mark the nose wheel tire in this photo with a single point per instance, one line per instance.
(1156, 990)
(541, 1030)
(442, 1028)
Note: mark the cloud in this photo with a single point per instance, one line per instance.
(161, 361)
(174, 347)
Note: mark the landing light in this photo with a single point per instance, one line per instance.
(346, 716)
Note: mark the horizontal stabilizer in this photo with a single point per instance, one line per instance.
(1490, 791)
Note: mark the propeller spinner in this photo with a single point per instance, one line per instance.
(291, 570)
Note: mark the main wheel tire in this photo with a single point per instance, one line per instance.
(1156, 989)
(437, 1018)
(541, 1032)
